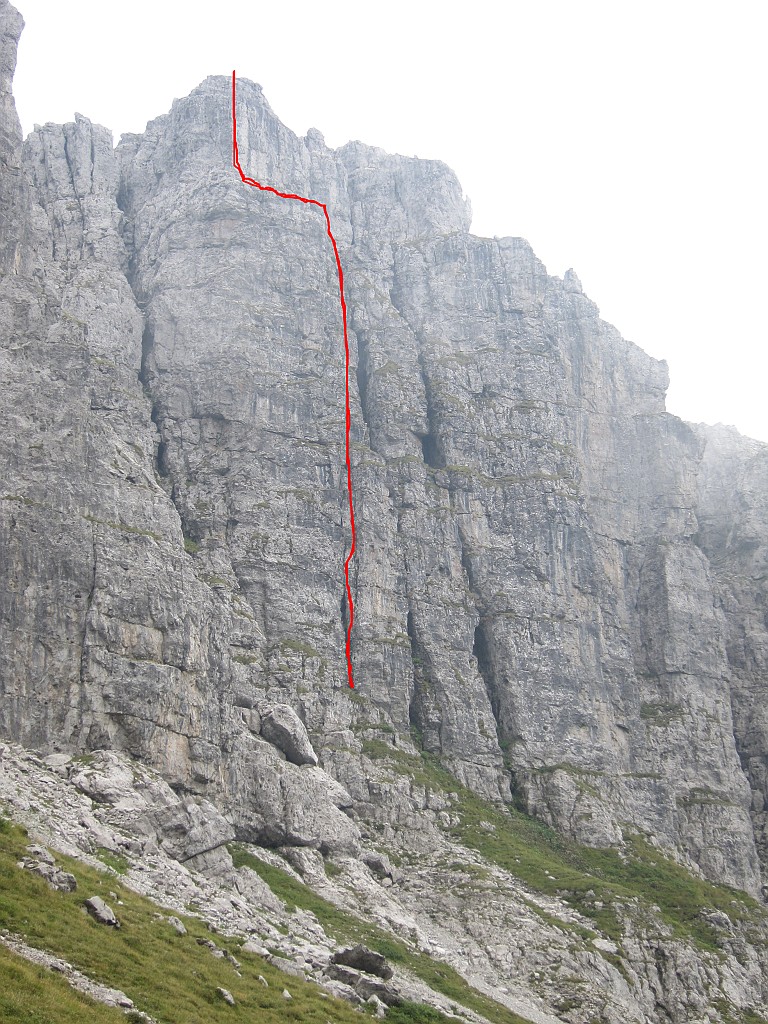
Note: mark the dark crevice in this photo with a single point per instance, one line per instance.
(482, 652)
(431, 447)
(147, 349)
(146, 376)
(363, 377)
(430, 450)
(506, 732)
(482, 647)
(423, 713)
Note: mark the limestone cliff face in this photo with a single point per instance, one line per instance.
(558, 585)
(733, 533)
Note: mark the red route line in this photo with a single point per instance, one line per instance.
(324, 208)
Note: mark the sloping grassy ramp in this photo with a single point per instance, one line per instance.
(34, 995)
(346, 928)
(167, 975)
(582, 876)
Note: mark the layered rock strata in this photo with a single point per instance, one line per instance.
(548, 596)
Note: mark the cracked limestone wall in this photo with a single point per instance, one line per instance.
(110, 638)
(733, 534)
(533, 599)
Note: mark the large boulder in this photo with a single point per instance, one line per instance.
(275, 803)
(101, 912)
(282, 727)
(363, 959)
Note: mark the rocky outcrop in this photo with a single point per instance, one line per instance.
(101, 912)
(282, 727)
(41, 862)
(364, 959)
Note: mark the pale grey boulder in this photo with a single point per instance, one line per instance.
(226, 995)
(57, 878)
(101, 912)
(282, 727)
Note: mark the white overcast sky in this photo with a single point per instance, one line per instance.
(624, 139)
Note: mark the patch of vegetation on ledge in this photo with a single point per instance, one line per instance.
(346, 928)
(596, 882)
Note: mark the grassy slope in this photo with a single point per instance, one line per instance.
(167, 975)
(552, 864)
(346, 928)
(34, 995)
(175, 980)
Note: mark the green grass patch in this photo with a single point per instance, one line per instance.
(116, 861)
(123, 527)
(298, 647)
(346, 928)
(34, 995)
(660, 713)
(212, 580)
(415, 1013)
(167, 975)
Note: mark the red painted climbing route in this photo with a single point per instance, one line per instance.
(348, 419)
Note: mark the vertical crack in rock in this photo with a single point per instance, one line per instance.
(145, 378)
(84, 648)
(423, 713)
(482, 641)
(430, 442)
(362, 374)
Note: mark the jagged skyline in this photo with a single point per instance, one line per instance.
(640, 166)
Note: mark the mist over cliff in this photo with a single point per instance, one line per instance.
(560, 588)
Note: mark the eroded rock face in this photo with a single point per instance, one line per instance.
(544, 581)
(733, 534)
(364, 959)
(282, 727)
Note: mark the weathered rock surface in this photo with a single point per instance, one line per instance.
(187, 450)
(282, 727)
(364, 959)
(560, 589)
(732, 517)
(41, 862)
(101, 912)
